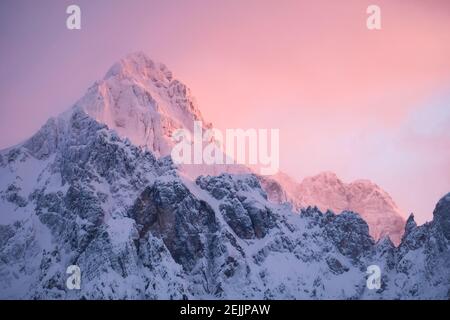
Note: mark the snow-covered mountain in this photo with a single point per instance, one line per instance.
(94, 188)
(141, 101)
(328, 192)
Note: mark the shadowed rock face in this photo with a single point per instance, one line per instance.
(441, 215)
(170, 211)
(248, 221)
(350, 233)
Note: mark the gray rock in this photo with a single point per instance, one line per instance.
(441, 215)
(186, 224)
(350, 233)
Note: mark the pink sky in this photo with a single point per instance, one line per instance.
(364, 104)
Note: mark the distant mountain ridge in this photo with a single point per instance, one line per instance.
(328, 192)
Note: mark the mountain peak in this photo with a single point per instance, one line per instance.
(325, 176)
(138, 65)
(410, 225)
(140, 100)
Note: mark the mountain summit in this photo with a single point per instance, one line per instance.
(141, 101)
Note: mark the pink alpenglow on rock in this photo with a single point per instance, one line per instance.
(327, 192)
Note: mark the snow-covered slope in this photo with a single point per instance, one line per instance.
(328, 192)
(81, 192)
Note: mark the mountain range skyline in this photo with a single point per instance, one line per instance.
(89, 191)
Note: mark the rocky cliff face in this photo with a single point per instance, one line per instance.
(79, 193)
